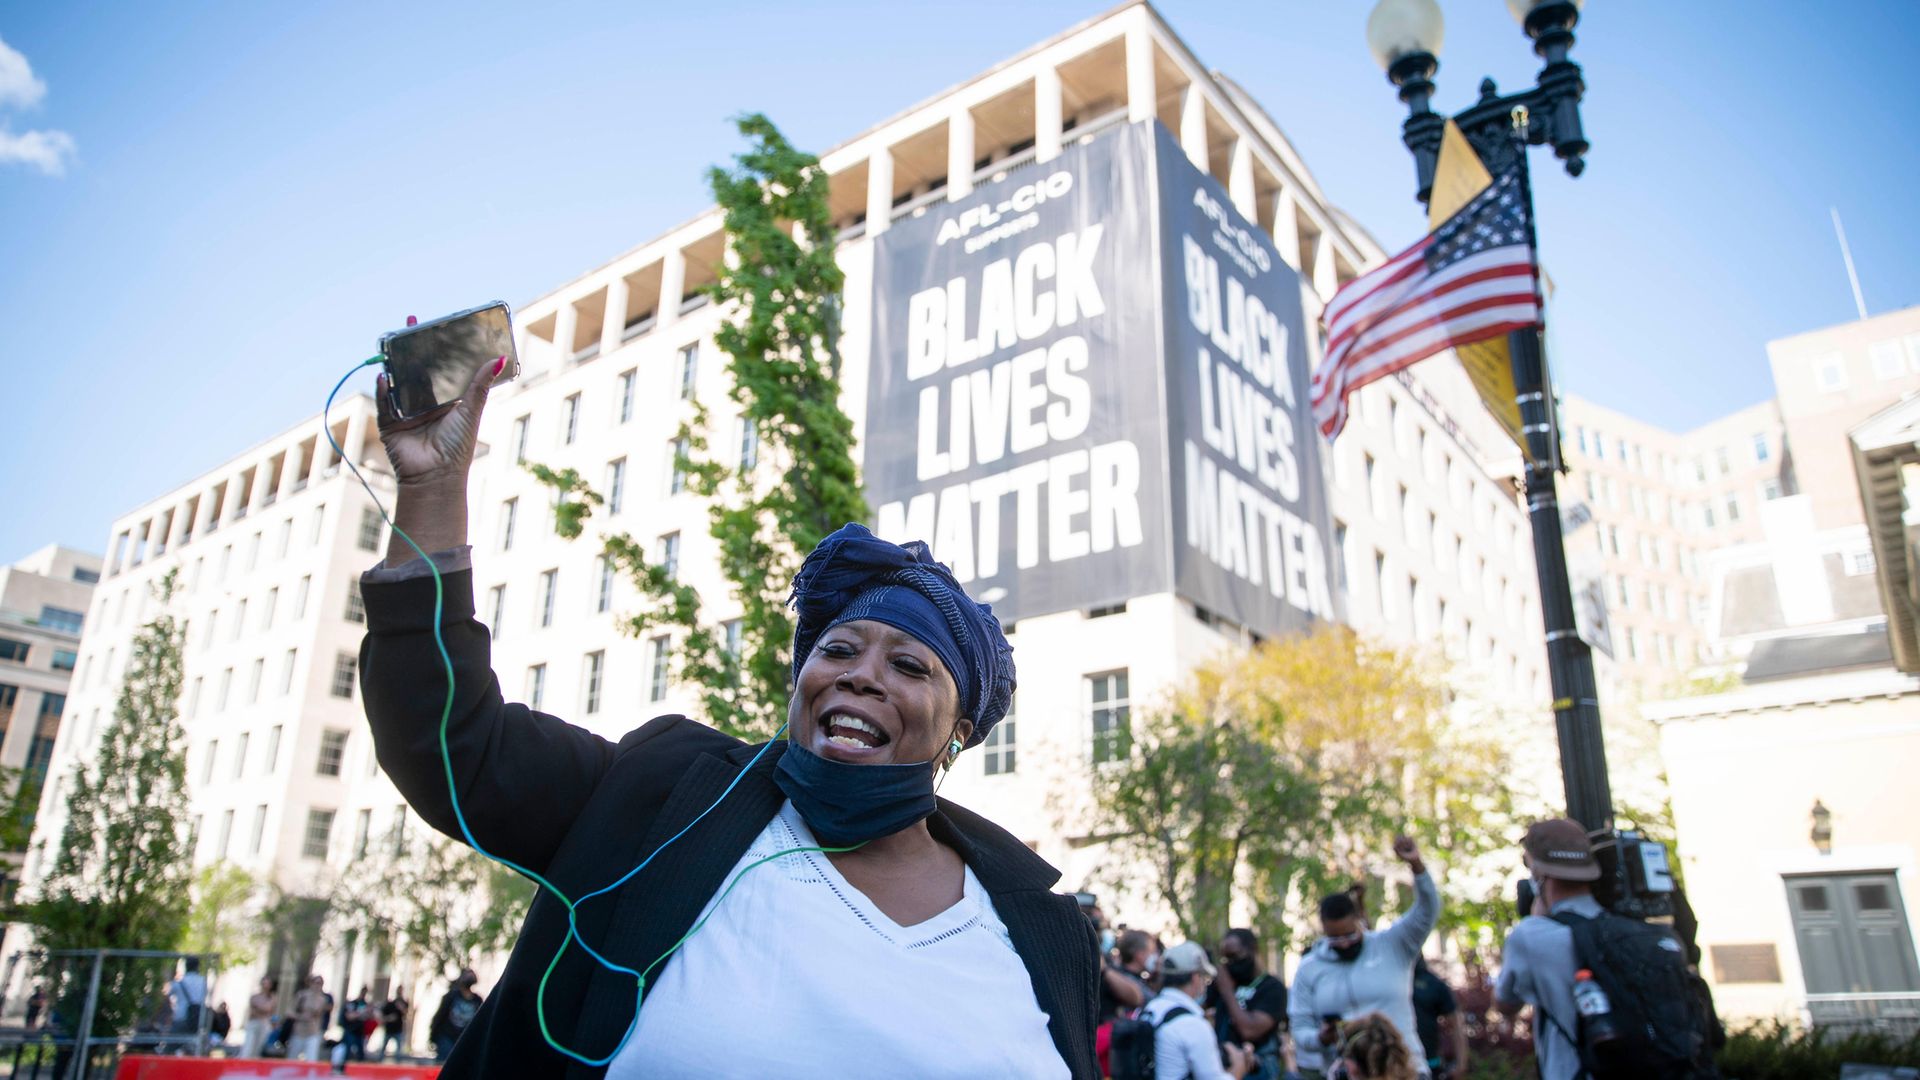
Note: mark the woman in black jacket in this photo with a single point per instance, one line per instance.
(808, 906)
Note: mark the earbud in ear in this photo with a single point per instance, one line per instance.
(954, 748)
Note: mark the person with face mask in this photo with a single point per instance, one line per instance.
(1353, 971)
(927, 943)
(1249, 1006)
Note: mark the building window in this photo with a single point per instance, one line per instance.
(344, 666)
(569, 419)
(14, 650)
(536, 686)
(1373, 490)
(207, 762)
(273, 750)
(549, 584)
(1859, 561)
(259, 829)
(61, 620)
(319, 524)
(333, 752)
(193, 698)
(749, 444)
(509, 512)
(627, 379)
(319, 831)
(997, 749)
(286, 539)
(226, 690)
(1831, 372)
(1769, 489)
(1761, 451)
(667, 555)
(397, 834)
(657, 680)
(730, 636)
(273, 602)
(370, 524)
(240, 755)
(676, 466)
(603, 593)
(595, 665)
(239, 621)
(1340, 554)
(362, 829)
(65, 659)
(1380, 580)
(226, 835)
(356, 607)
(1888, 363)
(300, 596)
(286, 671)
(689, 370)
(520, 439)
(1733, 509)
(255, 676)
(1108, 709)
(496, 610)
(616, 484)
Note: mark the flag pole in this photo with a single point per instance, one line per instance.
(1576, 704)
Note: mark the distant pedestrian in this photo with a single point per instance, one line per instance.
(188, 993)
(1249, 1005)
(353, 1025)
(1353, 971)
(456, 1011)
(311, 1008)
(1436, 1017)
(36, 1004)
(1372, 1049)
(219, 1025)
(1183, 1042)
(260, 1009)
(393, 1018)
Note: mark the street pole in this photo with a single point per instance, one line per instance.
(1576, 697)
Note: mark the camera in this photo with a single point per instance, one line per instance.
(1636, 876)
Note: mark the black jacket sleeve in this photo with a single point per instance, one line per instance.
(522, 777)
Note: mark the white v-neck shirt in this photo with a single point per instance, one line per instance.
(798, 974)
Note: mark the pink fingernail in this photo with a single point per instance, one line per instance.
(498, 365)
(413, 320)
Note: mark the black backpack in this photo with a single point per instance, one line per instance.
(1130, 1046)
(1665, 1034)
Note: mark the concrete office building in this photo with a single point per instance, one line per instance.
(43, 608)
(1430, 543)
(265, 549)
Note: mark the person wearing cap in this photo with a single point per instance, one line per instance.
(928, 943)
(1353, 971)
(1537, 963)
(1183, 1042)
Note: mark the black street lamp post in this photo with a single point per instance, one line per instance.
(1405, 36)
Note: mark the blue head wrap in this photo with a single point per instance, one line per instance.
(856, 575)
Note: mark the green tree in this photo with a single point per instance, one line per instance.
(782, 287)
(1280, 774)
(225, 918)
(437, 898)
(120, 877)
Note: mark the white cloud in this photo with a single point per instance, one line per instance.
(48, 151)
(18, 86)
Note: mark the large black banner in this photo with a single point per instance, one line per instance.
(1252, 534)
(1089, 382)
(1014, 403)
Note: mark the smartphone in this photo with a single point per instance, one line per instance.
(431, 364)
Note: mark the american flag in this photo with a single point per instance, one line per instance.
(1471, 279)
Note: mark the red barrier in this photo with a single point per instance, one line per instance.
(147, 1067)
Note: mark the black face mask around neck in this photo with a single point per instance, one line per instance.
(851, 804)
(1347, 954)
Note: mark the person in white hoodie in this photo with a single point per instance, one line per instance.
(1352, 972)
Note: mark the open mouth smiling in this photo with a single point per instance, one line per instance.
(850, 732)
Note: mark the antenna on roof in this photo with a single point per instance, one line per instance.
(1846, 253)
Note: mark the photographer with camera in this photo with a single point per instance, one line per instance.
(1353, 971)
(1611, 995)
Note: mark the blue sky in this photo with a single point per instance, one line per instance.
(251, 193)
